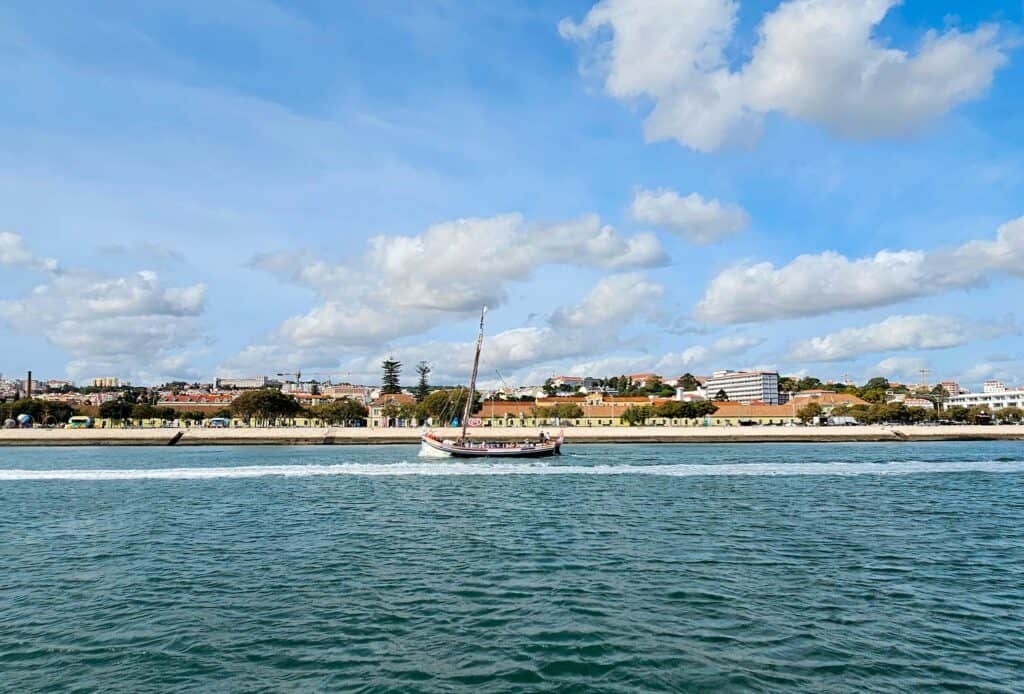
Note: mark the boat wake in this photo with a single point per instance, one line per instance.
(505, 469)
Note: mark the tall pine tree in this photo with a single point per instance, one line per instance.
(423, 387)
(390, 381)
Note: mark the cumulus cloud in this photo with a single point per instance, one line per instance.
(14, 253)
(406, 285)
(616, 298)
(110, 325)
(697, 220)
(821, 283)
(894, 333)
(904, 369)
(816, 60)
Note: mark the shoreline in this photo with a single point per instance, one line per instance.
(292, 436)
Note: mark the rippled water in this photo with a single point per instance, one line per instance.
(842, 567)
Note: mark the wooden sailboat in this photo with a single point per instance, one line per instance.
(432, 445)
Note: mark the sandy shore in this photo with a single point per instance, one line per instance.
(338, 435)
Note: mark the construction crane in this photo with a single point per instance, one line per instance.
(297, 375)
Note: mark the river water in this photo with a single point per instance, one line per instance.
(839, 567)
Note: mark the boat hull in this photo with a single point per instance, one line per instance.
(433, 448)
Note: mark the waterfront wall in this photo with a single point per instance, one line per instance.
(340, 435)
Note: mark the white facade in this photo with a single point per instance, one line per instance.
(745, 386)
(995, 400)
(242, 383)
(684, 395)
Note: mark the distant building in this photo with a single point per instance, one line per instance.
(993, 387)
(745, 386)
(995, 397)
(242, 383)
(684, 395)
(106, 382)
(570, 381)
(642, 379)
(377, 409)
(951, 387)
(203, 402)
(55, 384)
(345, 390)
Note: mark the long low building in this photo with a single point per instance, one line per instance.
(996, 400)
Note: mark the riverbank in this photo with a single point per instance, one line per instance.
(293, 436)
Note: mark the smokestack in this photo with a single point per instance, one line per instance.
(29, 385)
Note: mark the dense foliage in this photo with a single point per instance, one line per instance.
(41, 411)
(560, 411)
(344, 411)
(265, 403)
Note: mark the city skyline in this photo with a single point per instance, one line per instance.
(199, 191)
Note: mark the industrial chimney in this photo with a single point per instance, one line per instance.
(28, 385)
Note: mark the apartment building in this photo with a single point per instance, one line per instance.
(745, 386)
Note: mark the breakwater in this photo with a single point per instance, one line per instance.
(298, 436)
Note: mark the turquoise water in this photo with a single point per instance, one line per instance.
(650, 568)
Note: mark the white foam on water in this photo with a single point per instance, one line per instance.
(485, 469)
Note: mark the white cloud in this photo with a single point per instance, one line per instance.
(692, 217)
(406, 285)
(901, 369)
(815, 60)
(894, 333)
(14, 253)
(816, 284)
(615, 299)
(110, 325)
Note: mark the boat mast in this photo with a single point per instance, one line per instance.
(472, 376)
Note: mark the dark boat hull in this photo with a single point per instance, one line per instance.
(539, 450)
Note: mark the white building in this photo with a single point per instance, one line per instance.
(995, 397)
(106, 382)
(683, 395)
(745, 386)
(241, 383)
(952, 387)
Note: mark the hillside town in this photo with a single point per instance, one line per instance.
(723, 398)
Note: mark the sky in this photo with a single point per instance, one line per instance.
(822, 187)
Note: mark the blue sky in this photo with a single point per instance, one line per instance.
(636, 184)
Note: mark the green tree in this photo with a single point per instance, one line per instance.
(637, 415)
(916, 415)
(809, 383)
(391, 378)
(673, 409)
(549, 388)
(43, 412)
(809, 412)
(1010, 415)
(958, 413)
(877, 383)
(443, 406)
(721, 396)
(117, 410)
(688, 382)
(560, 411)
(265, 403)
(423, 387)
(345, 412)
(408, 411)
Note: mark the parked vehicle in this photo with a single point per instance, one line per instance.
(80, 422)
